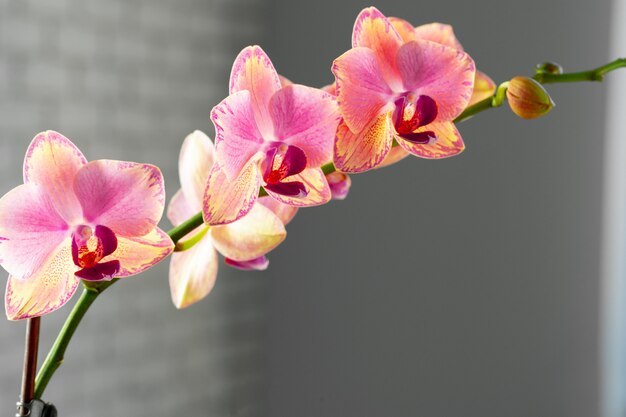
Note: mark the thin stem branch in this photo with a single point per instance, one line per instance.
(591, 75)
(30, 363)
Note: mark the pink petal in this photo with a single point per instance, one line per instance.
(226, 201)
(438, 32)
(254, 71)
(396, 154)
(252, 236)
(315, 184)
(52, 162)
(46, 290)
(138, 253)
(237, 136)
(127, 197)
(307, 118)
(404, 29)
(194, 164)
(483, 87)
(330, 89)
(30, 230)
(339, 184)
(284, 212)
(365, 150)
(179, 209)
(362, 92)
(372, 30)
(284, 81)
(258, 264)
(440, 72)
(193, 273)
(448, 143)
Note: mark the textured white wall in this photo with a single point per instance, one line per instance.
(128, 79)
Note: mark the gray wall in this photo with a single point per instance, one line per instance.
(465, 287)
(460, 287)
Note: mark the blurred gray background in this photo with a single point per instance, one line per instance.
(464, 287)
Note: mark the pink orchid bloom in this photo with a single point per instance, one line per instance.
(72, 220)
(243, 243)
(271, 136)
(388, 88)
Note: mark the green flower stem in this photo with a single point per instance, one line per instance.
(591, 75)
(186, 227)
(183, 245)
(490, 102)
(93, 289)
(55, 357)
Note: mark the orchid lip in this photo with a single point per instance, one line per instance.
(409, 116)
(89, 247)
(283, 161)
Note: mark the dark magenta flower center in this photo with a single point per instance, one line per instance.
(88, 249)
(408, 117)
(281, 162)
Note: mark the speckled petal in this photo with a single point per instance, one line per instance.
(443, 73)
(396, 154)
(46, 290)
(448, 143)
(237, 135)
(362, 92)
(136, 254)
(127, 197)
(226, 201)
(253, 71)
(372, 30)
(193, 273)
(307, 118)
(52, 162)
(30, 230)
(315, 183)
(359, 152)
(194, 164)
(438, 32)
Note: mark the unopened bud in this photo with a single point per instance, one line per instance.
(339, 184)
(527, 98)
(550, 68)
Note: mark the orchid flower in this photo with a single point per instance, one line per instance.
(244, 242)
(270, 136)
(73, 220)
(388, 88)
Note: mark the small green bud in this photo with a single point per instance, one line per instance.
(527, 98)
(549, 68)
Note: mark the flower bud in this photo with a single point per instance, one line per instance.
(527, 98)
(339, 184)
(550, 68)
